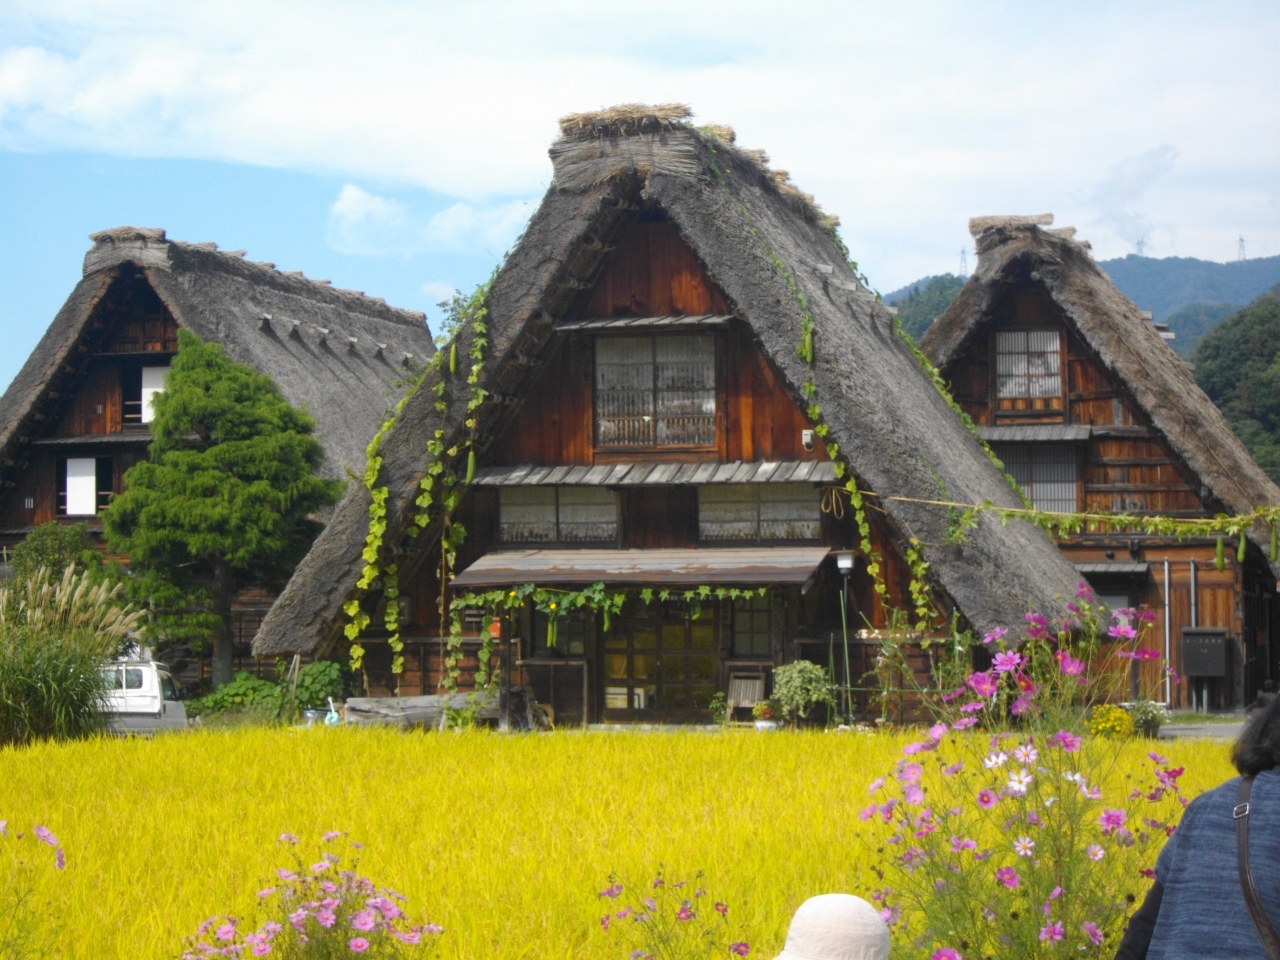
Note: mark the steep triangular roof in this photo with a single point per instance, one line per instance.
(337, 353)
(1016, 249)
(770, 250)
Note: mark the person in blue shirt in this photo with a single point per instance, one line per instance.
(1196, 908)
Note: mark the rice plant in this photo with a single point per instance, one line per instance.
(504, 841)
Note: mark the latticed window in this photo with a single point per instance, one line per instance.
(1028, 367)
(759, 511)
(1046, 472)
(557, 515)
(656, 391)
(752, 627)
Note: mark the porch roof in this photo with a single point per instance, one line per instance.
(745, 566)
(636, 474)
(642, 324)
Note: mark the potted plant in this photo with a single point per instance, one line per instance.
(765, 715)
(1147, 716)
(799, 687)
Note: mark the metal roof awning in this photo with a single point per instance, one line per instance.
(140, 438)
(1037, 433)
(744, 566)
(623, 324)
(1128, 567)
(637, 474)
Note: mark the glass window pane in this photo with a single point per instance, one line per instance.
(686, 390)
(1028, 364)
(728, 512)
(642, 667)
(790, 511)
(673, 668)
(702, 636)
(702, 668)
(526, 514)
(615, 666)
(588, 514)
(111, 678)
(624, 390)
(673, 637)
(133, 679)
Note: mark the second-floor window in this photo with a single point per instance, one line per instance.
(557, 515)
(1046, 472)
(655, 391)
(1028, 367)
(759, 512)
(138, 388)
(84, 486)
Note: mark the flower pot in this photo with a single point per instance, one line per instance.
(766, 725)
(1150, 729)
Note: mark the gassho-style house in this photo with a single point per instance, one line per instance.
(1090, 410)
(670, 356)
(76, 416)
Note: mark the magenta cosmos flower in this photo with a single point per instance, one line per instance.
(982, 683)
(360, 944)
(1067, 741)
(1008, 877)
(1007, 661)
(1091, 930)
(1052, 932)
(1111, 820)
(739, 949)
(1071, 666)
(986, 799)
(945, 953)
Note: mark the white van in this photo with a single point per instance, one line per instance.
(142, 697)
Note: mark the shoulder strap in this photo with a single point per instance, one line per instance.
(1266, 932)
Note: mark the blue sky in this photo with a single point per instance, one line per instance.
(396, 146)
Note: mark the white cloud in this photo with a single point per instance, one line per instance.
(1117, 195)
(439, 290)
(906, 119)
(364, 223)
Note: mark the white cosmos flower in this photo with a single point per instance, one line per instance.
(995, 760)
(1018, 783)
(1026, 754)
(1023, 846)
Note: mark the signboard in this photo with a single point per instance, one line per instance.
(1204, 651)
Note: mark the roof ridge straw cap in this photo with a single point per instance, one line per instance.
(836, 926)
(980, 225)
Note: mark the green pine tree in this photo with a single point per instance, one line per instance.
(223, 501)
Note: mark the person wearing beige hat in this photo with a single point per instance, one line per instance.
(836, 926)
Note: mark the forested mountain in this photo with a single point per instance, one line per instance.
(1238, 365)
(920, 303)
(1193, 321)
(1167, 284)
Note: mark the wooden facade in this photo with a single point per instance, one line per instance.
(1118, 463)
(662, 661)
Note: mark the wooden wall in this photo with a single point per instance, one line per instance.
(652, 273)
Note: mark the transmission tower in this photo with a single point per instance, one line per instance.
(964, 263)
(1240, 250)
(1141, 245)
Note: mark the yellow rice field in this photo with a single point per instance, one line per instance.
(503, 840)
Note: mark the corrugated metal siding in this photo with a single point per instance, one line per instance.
(637, 474)
(600, 324)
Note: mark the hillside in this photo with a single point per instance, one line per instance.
(1193, 321)
(920, 303)
(1238, 365)
(1165, 285)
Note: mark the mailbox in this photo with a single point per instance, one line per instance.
(1204, 651)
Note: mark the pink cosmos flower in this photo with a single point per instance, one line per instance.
(911, 749)
(260, 949)
(889, 915)
(959, 844)
(1007, 661)
(876, 784)
(326, 917)
(611, 891)
(331, 835)
(1095, 852)
(994, 635)
(1052, 932)
(227, 931)
(1069, 665)
(912, 794)
(1111, 820)
(951, 694)
(1021, 706)
(1122, 631)
(1037, 626)
(320, 867)
(937, 731)
(868, 813)
(1158, 758)
(944, 953)
(973, 707)
(363, 920)
(983, 684)
(1008, 877)
(986, 799)
(911, 773)
(44, 836)
(952, 770)
(1084, 592)
(739, 949)
(1067, 741)
(288, 838)
(59, 861)
(685, 913)
(964, 723)
(1091, 930)
(288, 876)
(722, 908)
(360, 944)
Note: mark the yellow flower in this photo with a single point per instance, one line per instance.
(553, 606)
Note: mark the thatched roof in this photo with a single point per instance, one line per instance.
(336, 353)
(751, 234)
(1016, 249)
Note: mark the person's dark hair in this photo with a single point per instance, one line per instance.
(1258, 746)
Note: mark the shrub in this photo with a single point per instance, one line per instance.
(1110, 721)
(244, 692)
(26, 930)
(54, 546)
(799, 687)
(671, 920)
(54, 638)
(316, 912)
(317, 682)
